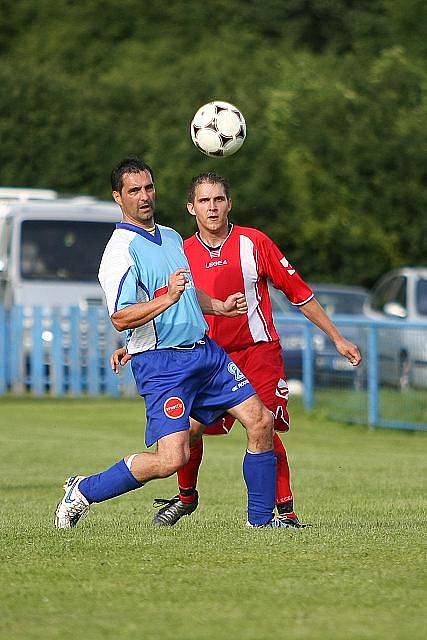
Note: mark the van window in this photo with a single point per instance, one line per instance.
(66, 250)
(421, 297)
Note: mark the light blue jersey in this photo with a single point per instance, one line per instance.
(135, 267)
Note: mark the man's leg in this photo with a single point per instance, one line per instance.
(188, 474)
(283, 486)
(270, 384)
(259, 465)
(187, 499)
(126, 475)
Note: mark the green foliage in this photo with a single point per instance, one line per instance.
(334, 93)
(349, 145)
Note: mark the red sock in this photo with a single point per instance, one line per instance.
(187, 475)
(283, 482)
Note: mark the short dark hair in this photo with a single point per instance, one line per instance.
(128, 165)
(211, 178)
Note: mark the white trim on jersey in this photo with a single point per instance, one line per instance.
(298, 304)
(256, 321)
(115, 263)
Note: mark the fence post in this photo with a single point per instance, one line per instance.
(93, 373)
(37, 363)
(57, 360)
(75, 368)
(3, 343)
(16, 322)
(373, 376)
(307, 368)
(111, 379)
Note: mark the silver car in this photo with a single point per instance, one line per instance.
(401, 296)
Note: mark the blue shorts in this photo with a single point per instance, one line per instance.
(201, 382)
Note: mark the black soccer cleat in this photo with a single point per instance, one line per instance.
(173, 510)
(292, 521)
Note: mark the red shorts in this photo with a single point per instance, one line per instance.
(262, 364)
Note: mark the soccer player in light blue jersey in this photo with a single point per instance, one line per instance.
(178, 370)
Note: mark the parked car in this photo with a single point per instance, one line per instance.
(401, 296)
(330, 368)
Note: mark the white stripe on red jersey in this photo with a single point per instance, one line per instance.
(245, 261)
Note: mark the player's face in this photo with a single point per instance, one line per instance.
(211, 208)
(137, 199)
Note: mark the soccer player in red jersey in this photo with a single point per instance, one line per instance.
(225, 258)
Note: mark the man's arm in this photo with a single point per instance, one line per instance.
(314, 312)
(138, 314)
(235, 305)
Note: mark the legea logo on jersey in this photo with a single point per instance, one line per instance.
(174, 408)
(216, 263)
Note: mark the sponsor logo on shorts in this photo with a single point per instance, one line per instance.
(174, 408)
(239, 385)
(235, 371)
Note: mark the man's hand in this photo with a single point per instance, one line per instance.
(235, 305)
(349, 351)
(119, 357)
(176, 286)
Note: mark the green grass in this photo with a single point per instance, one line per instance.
(406, 406)
(357, 573)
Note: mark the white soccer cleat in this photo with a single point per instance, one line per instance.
(73, 506)
(273, 524)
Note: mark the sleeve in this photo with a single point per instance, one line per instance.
(273, 265)
(119, 280)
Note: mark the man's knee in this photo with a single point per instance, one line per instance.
(260, 428)
(173, 461)
(261, 420)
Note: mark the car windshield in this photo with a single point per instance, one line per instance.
(421, 297)
(334, 302)
(340, 302)
(62, 249)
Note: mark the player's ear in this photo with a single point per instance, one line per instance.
(117, 197)
(190, 208)
(230, 204)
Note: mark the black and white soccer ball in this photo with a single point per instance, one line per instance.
(218, 129)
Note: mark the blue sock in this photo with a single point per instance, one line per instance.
(259, 471)
(110, 483)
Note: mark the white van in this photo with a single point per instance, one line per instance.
(51, 247)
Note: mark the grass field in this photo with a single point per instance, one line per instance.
(408, 406)
(358, 573)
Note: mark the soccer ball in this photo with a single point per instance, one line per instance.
(218, 129)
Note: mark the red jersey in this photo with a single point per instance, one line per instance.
(244, 262)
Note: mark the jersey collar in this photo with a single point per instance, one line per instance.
(156, 238)
(215, 252)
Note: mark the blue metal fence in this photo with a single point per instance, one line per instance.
(66, 352)
(389, 389)
(59, 352)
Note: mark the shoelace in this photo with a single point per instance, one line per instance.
(162, 502)
(76, 508)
